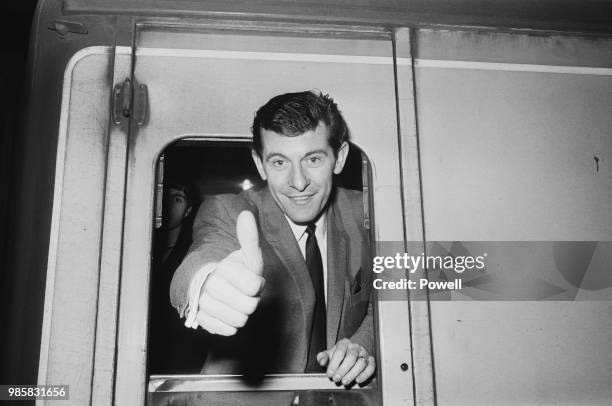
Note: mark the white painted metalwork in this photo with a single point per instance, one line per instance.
(512, 67)
(420, 335)
(235, 383)
(110, 256)
(66, 353)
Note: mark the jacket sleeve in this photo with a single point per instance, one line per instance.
(214, 237)
(364, 335)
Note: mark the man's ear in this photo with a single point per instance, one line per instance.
(258, 164)
(341, 159)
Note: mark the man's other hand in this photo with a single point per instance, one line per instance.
(231, 292)
(347, 362)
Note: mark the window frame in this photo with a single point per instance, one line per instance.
(272, 382)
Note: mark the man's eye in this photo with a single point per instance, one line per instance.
(278, 163)
(315, 160)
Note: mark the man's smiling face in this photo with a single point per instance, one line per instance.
(299, 170)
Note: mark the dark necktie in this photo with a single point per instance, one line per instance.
(318, 331)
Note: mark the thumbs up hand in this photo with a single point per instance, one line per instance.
(248, 238)
(231, 292)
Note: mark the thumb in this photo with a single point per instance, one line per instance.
(248, 238)
(323, 358)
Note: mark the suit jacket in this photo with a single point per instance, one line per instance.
(276, 336)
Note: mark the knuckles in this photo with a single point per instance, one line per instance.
(238, 276)
(241, 321)
(235, 271)
(252, 286)
(250, 306)
(212, 280)
(227, 332)
(354, 348)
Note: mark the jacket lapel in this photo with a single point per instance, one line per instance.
(336, 273)
(277, 232)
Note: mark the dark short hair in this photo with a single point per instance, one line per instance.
(186, 187)
(293, 114)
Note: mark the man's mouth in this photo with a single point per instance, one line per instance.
(301, 199)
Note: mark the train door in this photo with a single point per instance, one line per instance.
(203, 85)
(79, 324)
(513, 132)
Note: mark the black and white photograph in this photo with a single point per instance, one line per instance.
(306, 203)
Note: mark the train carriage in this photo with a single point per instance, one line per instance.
(471, 123)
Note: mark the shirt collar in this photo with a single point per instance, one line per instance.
(299, 230)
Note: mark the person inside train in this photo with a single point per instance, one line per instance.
(278, 276)
(173, 349)
(179, 201)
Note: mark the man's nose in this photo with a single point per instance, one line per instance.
(299, 179)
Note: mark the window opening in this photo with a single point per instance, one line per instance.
(190, 171)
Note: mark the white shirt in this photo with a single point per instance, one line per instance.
(299, 232)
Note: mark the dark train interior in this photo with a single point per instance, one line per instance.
(208, 168)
